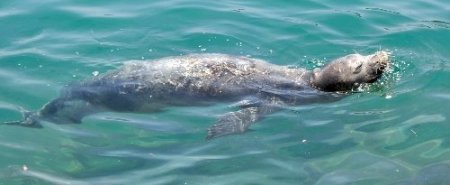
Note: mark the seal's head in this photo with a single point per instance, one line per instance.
(350, 71)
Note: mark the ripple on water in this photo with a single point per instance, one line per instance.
(99, 12)
(366, 138)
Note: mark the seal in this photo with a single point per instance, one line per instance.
(258, 87)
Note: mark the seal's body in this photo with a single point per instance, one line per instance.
(193, 79)
(202, 79)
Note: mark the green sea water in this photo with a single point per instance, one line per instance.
(397, 132)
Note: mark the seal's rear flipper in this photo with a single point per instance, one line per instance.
(29, 120)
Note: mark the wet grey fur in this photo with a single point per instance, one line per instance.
(260, 88)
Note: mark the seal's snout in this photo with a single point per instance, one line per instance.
(381, 61)
(382, 58)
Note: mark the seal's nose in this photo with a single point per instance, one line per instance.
(380, 61)
(382, 58)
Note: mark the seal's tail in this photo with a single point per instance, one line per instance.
(30, 119)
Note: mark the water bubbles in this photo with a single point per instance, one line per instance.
(202, 49)
(316, 63)
(150, 50)
(142, 58)
(270, 51)
(95, 73)
(24, 168)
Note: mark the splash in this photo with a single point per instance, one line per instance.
(394, 73)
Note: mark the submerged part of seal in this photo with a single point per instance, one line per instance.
(260, 88)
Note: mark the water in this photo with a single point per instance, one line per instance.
(396, 132)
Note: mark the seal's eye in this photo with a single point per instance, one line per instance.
(358, 68)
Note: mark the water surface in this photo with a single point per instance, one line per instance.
(396, 132)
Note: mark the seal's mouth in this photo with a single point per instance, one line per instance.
(380, 68)
(379, 64)
(381, 61)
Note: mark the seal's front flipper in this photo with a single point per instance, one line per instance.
(232, 123)
(237, 122)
